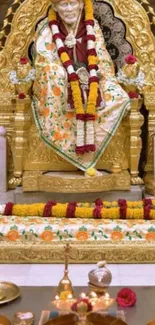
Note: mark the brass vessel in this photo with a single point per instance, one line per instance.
(99, 278)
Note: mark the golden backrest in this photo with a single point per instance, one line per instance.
(28, 14)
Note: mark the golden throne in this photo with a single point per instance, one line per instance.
(29, 158)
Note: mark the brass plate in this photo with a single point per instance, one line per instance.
(8, 292)
(4, 320)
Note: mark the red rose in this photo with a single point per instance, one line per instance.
(126, 298)
(133, 94)
(24, 60)
(130, 59)
(21, 96)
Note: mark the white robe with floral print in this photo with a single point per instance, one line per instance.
(56, 123)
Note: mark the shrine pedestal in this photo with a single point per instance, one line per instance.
(18, 196)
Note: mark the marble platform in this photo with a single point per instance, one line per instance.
(18, 196)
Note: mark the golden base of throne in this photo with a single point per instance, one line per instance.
(74, 182)
(149, 183)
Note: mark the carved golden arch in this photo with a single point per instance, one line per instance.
(138, 33)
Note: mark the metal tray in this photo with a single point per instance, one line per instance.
(8, 292)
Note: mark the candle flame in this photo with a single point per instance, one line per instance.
(70, 296)
(107, 296)
(82, 295)
(93, 295)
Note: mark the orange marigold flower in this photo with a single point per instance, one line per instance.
(47, 68)
(66, 125)
(45, 112)
(150, 236)
(43, 92)
(107, 96)
(69, 115)
(13, 235)
(41, 59)
(57, 136)
(116, 235)
(56, 91)
(49, 46)
(47, 236)
(82, 235)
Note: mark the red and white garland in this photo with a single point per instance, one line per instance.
(85, 140)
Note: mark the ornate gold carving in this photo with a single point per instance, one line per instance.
(22, 32)
(25, 19)
(136, 121)
(80, 253)
(138, 33)
(149, 100)
(15, 181)
(21, 122)
(40, 157)
(16, 46)
(74, 183)
(115, 154)
(7, 21)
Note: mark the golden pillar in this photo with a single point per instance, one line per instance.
(136, 121)
(149, 100)
(21, 122)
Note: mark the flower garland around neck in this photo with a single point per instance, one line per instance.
(85, 139)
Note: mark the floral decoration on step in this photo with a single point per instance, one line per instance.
(99, 209)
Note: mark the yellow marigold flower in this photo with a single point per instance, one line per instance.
(83, 212)
(88, 10)
(59, 210)
(114, 204)
(77, 97)
(91, 107)
(153, 202)
(110, 213)
(136, 204)
(134, 213)
(52, 14)
(91, 171)
(86, 205)
(64, 57)
(152, 214)
(35, 209)
(92, 59)
(107, 203)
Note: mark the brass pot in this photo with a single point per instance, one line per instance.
(4, 320)
(100, 277)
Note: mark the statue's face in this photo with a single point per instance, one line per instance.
(69, 10)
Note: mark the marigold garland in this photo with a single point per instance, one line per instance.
(83, 143)
(120, 209)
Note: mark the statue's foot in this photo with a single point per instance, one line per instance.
(91, 172)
